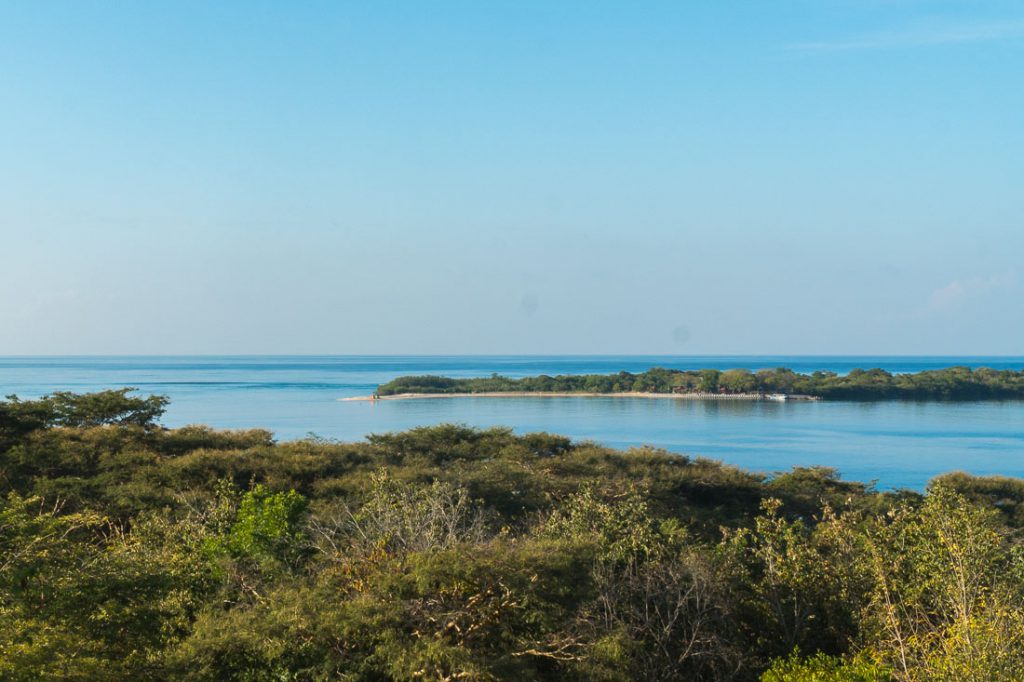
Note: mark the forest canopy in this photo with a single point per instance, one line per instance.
(951, 383)
(131, 551)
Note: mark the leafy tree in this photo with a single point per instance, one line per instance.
(805, 586)
(738, 381)
(823, 668)
(947, 599)
(267, 528)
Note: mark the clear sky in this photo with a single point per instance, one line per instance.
(788, 176)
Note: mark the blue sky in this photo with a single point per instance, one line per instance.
(512, 177)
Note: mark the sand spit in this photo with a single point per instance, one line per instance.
(569, 394)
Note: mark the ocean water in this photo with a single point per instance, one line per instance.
(895, 444)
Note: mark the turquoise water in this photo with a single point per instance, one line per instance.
(896, 444)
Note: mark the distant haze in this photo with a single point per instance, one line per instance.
(798, 177)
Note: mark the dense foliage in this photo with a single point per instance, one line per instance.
(951, 383)
(129, 551)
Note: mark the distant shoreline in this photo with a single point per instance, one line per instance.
(957, 383)
(579, 394)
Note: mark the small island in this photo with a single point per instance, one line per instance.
(950, 383)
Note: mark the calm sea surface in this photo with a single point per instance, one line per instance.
(896, 444)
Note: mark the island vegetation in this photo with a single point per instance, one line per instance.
(129, 551)
(952, 383)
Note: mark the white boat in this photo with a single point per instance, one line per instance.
(778, 397)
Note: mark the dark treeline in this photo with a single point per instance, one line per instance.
(951, 383)
(129, 551)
